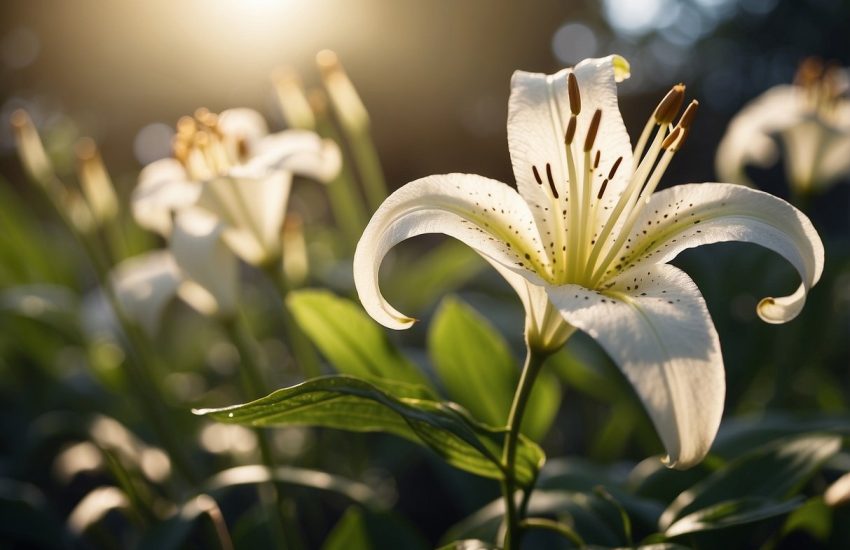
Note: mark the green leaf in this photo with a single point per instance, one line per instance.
(731, 513)
(478, 371)
(360, 530)
(774, 471)
(469, 544)
(408, 411)
(349, 339)
(174, 532)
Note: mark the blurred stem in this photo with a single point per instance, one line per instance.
(368, 164)
(346, 204)
(300, 347)
(254, 388)
(534, 360)
(141, 376)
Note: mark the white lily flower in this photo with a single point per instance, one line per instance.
(585, 241)
(230, 166)
(810, 118)
(144, 285)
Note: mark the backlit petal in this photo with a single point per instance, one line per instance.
(686, 216)
(163, 188)
(243, 123)
(298, 151)
(654, 324)
(487, 215)
(210, 267)
(144, 285)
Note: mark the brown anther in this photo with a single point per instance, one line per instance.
(551, 180)
(597, 159)
(602, 189)
(20, 119)
(186, 126)
(669, 106)
(571, 131)
(592, 130)
(180, 149)
(672, 141)
(614, 168)
(688, 116)
(810, 70)
(575, 97)
(537, 175)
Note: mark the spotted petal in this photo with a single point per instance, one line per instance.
(654, 324)
(538, 114)
(487, 215)
(686, 216)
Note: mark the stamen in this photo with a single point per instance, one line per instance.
(537, 175)
(672, 138)
(575, 97)
(602, 189)
(669, 106)
(551, 181)
(592, 130)
(597, 159)
(614, 168)
(571, 130)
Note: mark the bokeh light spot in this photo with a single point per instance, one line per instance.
(573, 42)
(153, 142)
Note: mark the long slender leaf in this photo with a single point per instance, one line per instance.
(348, 403)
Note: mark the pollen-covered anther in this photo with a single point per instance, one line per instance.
(689, 114)
(673, 142)
(575, 96)
(592, 130)
(551, 180)
(614, 168)
(669, 106)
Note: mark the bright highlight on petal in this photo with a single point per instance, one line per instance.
(586, 238)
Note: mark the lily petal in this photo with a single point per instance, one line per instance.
(654, 324)
(538, 114)
(210, 267)
(686, 216)
(816, 152)
(163, 188)
(487, 215)
(748, 138)
(252, 210)
(298, 151)
(243, 123)
(144, 285)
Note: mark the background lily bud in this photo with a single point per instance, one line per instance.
(95, 182)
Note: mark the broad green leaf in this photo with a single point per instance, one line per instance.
(774, 471)
(478, 371)
(731, 513)
(741, 435)
(408, 411)
(361, 530)
(349, 339)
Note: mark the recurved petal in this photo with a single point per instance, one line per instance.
(144, 285)
(487, 215)
(298, 151)
(243, 123)
(163, 188)
(748, 139)
(654, 324)
(210, 268)
(686, 216)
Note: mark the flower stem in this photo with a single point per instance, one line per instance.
(533, 362)
(300, 347)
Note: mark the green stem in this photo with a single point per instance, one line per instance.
(300, 347)
(254, 387)
(533, 362)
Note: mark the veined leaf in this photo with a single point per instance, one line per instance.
(773, 472)
(349, 339)
(408, 411)
(478, 370)
(730, 513)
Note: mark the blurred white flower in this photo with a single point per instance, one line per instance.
(231, 168)
(810, 119)
(586, 239)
